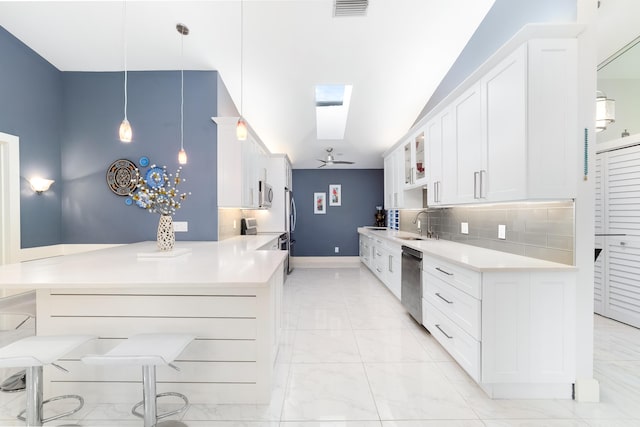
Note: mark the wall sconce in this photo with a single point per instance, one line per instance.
(605, 111)
(39, 185)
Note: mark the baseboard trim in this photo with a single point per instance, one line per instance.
(30, 254)
(325, 262)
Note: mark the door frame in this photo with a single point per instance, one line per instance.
(9, 198)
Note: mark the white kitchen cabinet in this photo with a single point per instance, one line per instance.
(415, 173)
(383, 257)
(513, 332)
(469, 151)
(395, 195)
(441, 158)
(507, 134)
(241, 164)
(523, 144)
(366, 250)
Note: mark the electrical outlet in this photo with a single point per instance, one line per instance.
(234, 224)
(464, 227)
(337, 249)
(180, 226)
(418, 224)
(502, 231)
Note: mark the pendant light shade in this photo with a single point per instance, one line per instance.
(605, 111)
(182, 155)
(241, 127)
(241, 130)
(125, 132)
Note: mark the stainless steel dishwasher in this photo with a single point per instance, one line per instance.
(411, 292)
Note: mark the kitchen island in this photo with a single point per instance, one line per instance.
(227, 293)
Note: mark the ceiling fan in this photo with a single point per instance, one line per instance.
(331, 161)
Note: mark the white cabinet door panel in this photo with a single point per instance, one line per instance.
(469, 134)
(505, 106)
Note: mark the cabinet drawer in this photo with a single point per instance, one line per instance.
(462, 308)
(467, 281)
(460, 345)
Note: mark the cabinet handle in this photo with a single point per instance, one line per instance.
(390, 264)
(445, 272)
(475, 185)
(439, 195)
(443, 298)
(378, 270)
(483, 193)
(435, 191)
(411, 178)
(445, 334)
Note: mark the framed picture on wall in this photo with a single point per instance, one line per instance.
(319, 203)
(335, 195)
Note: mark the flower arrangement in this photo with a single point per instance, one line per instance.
(157, 191)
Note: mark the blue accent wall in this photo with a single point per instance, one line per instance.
(30, 108)
(318, 235)
(503, 21)
(67, 123)
(93, 110)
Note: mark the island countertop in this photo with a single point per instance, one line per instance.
(235, 261)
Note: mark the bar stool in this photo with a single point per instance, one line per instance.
(33, 353)
(148, 351)
(23, 304)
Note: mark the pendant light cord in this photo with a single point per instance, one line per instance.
(124, 36)
(241, 56)
(182, 92)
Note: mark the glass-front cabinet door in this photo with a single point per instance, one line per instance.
(420, 163)
(408, 165)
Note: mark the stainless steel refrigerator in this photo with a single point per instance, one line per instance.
(290, 223)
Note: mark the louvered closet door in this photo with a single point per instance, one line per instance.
(598, 282)
(622, 216)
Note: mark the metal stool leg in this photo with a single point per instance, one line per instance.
(34, 396)
(149, 395)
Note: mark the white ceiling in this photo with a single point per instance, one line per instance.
(394, 57)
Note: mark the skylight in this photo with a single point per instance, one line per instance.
(332, 108)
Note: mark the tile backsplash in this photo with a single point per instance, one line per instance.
(543, 230)
(226, 218)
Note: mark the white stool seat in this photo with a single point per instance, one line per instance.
(33, 353)
(148, 351)
(144, 350)
(39, 350)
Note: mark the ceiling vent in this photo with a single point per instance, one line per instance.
(350, 7)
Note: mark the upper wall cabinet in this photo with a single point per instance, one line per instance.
(415, 161)
(512, 135)
(241, 164)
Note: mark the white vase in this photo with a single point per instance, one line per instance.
(166, 235)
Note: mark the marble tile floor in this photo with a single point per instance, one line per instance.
(352, 357)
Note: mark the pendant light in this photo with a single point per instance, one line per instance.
(241, 127)
(182, 155)
(125, 132)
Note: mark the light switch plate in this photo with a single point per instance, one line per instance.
(502, 231)
(180, 226)
(464, 227)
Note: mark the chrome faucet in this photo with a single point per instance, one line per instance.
(429, 230)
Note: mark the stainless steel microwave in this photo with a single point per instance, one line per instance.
(265, 195)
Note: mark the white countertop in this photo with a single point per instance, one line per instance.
(472, 257)
(233, 261)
